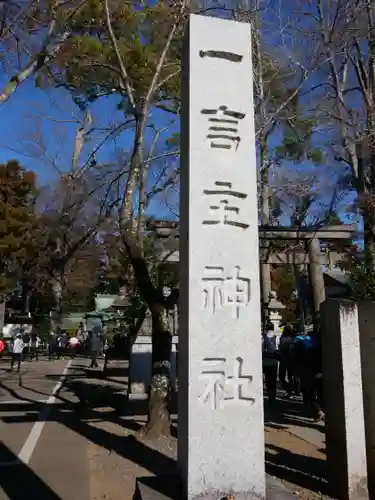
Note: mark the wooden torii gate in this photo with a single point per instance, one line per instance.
(309, 253)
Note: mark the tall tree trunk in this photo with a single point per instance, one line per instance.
(26, 295)
(369, 215)
(132, 230)
(360, 162)
(160, 388)
(265, 269)
(368, 211)
(58, 290)
(365, 191)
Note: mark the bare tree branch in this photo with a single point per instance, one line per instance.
(124, 73)
(51, 46)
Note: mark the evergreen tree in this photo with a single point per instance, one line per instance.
(17, 195)
(283, 282)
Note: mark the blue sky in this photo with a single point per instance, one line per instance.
(50, 117)
(32, 114)
(38, 128)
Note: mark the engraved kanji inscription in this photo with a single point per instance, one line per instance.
(224, 212)
(221, 291)
(225, 383)
(221, 54)
(223, 127)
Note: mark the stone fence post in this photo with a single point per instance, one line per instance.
(343, 398)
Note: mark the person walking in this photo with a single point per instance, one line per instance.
(270, 361)
(17, 350)
(59, 345)
(286, 367)
(95, 345)
(52, 346)
(105, 355)
(64, 344)
(309, 367)
(34, 346)
(25, 336)
(80, 335)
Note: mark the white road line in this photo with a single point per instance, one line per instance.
(28, 448)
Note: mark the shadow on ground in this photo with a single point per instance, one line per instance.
(89, 397)
(304, 471)
(91, 394)
(19, 481)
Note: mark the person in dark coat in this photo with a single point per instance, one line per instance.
(286, 367)
(52, 346)
(95, 342)
(308, 356)
(270, 361)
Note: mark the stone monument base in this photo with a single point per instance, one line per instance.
(169, 488)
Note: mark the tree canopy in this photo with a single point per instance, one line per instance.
(17, 195)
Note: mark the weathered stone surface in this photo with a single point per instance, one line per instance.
(345, 432)
(140, 366)
(221, 441)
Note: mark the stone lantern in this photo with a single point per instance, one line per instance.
(274, 307)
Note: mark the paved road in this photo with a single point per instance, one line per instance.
(43, 453)
(55, 415)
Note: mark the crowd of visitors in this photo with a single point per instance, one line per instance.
(295, 361)
(28, 346)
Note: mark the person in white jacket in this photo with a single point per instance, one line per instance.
(18, 347)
